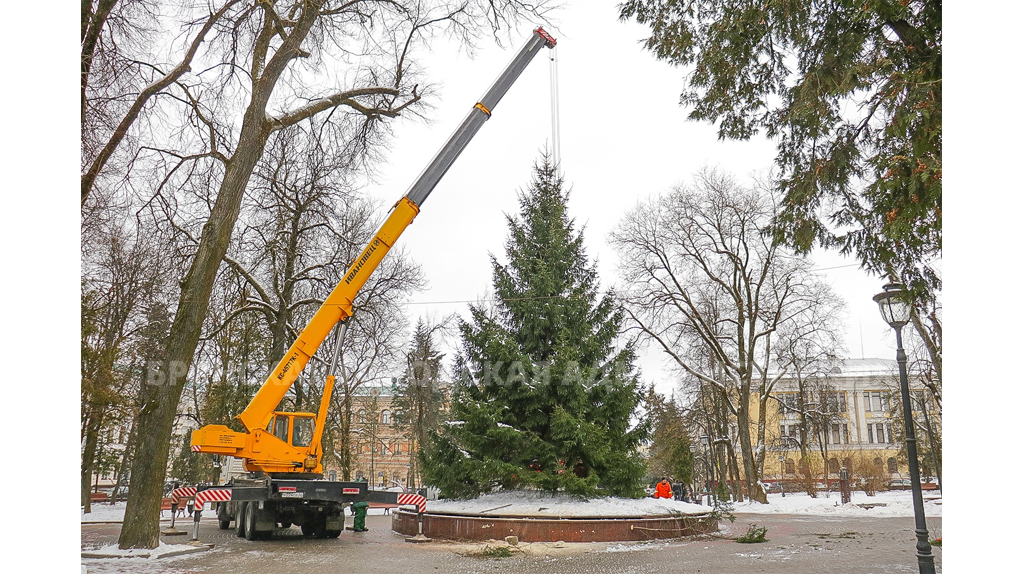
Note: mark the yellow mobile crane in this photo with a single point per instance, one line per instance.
(283, 449)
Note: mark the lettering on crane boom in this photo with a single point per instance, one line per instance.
(362, 261)
(287, 366)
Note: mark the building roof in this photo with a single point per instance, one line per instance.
(854, 368)
(865, 367)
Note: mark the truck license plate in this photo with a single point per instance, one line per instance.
(292, 494)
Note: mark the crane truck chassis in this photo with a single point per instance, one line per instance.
(259, 505)
(282, 450)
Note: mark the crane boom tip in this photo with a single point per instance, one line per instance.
(550, 39)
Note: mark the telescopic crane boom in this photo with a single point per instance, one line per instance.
(284, 443)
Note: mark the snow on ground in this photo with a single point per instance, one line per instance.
(106, 512)
(889, 503)
(543, 504)
(893, 503)
(113, 550)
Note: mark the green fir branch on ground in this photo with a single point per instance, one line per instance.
(754, 535)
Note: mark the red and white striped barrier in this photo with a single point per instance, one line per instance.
(184, 492)
(202, 497)
(413, 499)
(212, 495)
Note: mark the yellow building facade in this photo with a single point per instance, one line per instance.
(848, 416)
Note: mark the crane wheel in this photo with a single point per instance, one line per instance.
(250, 522)
(240, 519)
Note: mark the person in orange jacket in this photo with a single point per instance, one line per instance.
(663, 489)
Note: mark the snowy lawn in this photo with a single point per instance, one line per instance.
(542, 504)
(889, 503)
(105, 512)
(893, 503)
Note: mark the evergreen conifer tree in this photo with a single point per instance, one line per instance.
(419, 399)
(542, 398)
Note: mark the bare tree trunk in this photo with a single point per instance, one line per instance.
(734, 473)
(163, 388)
(747, 451)
(126, 457)
(88, 456)
(92, 430)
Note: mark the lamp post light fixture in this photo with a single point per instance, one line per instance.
(896, 312)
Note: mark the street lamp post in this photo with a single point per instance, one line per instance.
(896, 312)
(693, 477)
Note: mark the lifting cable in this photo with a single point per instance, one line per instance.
(555, 151)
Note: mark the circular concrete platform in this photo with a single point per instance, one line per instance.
(450, 526)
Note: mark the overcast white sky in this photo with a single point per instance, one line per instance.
(623, 137)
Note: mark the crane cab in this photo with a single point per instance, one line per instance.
(287, 445)
(296, 429)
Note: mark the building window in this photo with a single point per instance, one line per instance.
(878, 461)
(361, 416)
(788, 402)
(921, 401)
(385, 417)
(840, 434)
(879, 433)
(876, 401)
(833, 465)
(790, 466)
(833, 402)
(790, 431)
(892, 464)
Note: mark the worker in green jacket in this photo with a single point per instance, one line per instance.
(359, 509)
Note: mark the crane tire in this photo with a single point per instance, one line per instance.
(240, 519)
(250, 522)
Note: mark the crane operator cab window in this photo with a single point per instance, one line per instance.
(279, 428)
(302, 431)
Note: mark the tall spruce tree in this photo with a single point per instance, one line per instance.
(542, 397)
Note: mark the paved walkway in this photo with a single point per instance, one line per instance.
(797, 545)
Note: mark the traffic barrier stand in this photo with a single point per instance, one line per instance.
(202, 497)
(420, 502)
(176, 495)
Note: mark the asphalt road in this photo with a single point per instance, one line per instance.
(796, 545)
